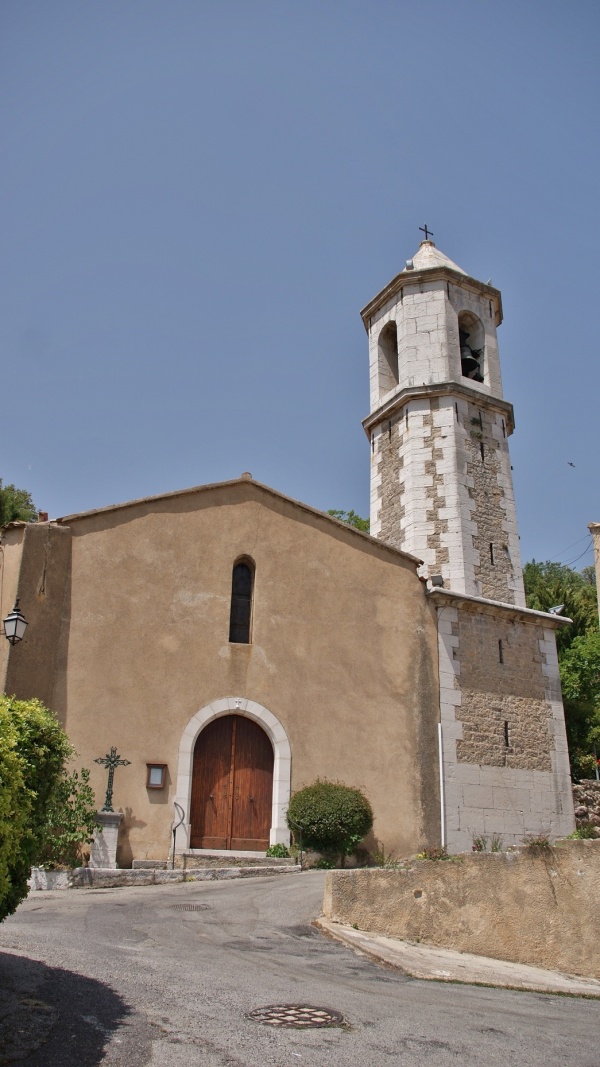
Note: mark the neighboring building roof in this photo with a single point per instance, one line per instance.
(429, 256)
(247, 481)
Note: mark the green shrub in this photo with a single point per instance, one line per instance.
(436, 852)
(585, 831)
(389, 861)
(479, 843)
(70, 820)
(329, 817)
(537, 842)
(33, 751)
(278, 851)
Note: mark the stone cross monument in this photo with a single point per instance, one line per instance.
(103, 852)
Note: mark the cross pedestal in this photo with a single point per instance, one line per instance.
(103, 852)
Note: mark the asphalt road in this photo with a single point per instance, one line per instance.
(126, 977)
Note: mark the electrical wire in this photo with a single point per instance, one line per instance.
(584, 553)
(563, 550)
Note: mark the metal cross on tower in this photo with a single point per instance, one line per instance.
(111, 760)
(428, 233)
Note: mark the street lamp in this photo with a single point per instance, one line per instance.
(15, 625)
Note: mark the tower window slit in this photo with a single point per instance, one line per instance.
(491, 553)
(506, 735)
(500, 652)
(490, 304)
(503, 428)
(482, 450)
(372, 442)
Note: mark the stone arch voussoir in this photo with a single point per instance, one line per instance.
(282, 763)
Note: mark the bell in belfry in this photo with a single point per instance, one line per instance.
(469, 359)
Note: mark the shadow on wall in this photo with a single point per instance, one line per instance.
(124, 850)
(55, 1018)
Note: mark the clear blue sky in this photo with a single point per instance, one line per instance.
(198, 197)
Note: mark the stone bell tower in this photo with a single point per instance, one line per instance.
(441, 485)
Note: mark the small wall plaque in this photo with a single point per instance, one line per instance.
(156, 776)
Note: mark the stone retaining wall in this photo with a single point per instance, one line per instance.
(110, 878)
(537, 906)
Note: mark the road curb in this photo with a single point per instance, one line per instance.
(430, 963)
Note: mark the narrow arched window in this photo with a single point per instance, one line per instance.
(240, 617)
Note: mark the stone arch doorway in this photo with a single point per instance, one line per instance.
(232, 786)
(250, 709)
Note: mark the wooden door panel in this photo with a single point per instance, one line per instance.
(252, 787)
(232, 786)
(210, 814)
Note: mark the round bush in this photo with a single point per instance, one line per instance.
(329, 817)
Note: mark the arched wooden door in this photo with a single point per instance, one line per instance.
(232, 786)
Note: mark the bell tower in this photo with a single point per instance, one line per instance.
(441, 485)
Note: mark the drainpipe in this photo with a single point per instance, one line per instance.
(442, 789)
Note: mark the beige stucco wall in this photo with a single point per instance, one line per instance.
(535, 906)
(343, 652)
(36, 558)
(11, 547)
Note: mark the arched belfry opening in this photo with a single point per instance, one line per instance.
(388, 358)
(472, 346)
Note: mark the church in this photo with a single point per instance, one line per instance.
(234, 645)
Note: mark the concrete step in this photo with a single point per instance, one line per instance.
(211, 858)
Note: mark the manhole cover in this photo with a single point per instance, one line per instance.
(190, 907)
(296, 1016)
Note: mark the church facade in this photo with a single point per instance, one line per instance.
(234, 644)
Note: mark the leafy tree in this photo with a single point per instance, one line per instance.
(549, 584)
(33, 751)
(329, 817)
(580, 680)
(352, 519)
(16, 504)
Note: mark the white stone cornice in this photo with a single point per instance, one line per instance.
(398, 401)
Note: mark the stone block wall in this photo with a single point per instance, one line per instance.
(506, 766)
(442, 490)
